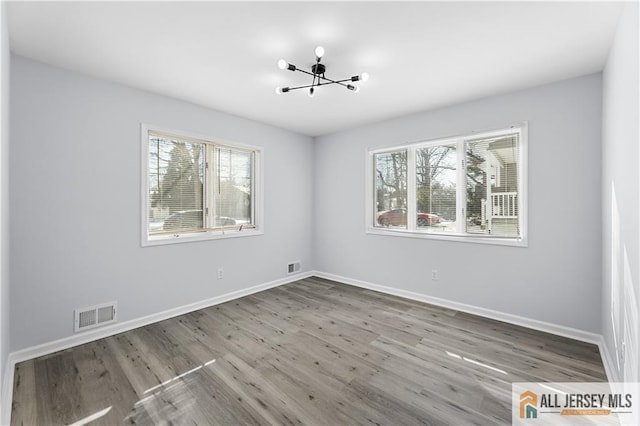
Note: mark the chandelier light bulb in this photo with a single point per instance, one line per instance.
(364, 76)
(279, 90)
(319, 52)
(282, 64)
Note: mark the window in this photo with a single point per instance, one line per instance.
(469, 187)
(195, 189)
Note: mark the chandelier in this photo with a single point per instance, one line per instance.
(319, 79)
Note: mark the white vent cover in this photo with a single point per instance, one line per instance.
(94, 316)
(293, 267)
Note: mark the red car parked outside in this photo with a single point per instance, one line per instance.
(397, 217)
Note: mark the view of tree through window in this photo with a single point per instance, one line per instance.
(391, 188)
(176, 176)
(436, 175)
(463, 186)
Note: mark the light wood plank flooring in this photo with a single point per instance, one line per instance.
(312, 352)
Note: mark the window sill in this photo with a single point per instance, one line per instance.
(165, 239)
(465, 238)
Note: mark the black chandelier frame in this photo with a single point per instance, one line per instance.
(318, 70)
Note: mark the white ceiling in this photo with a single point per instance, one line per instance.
(420, 55)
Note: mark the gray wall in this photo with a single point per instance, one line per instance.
(621, 215)
(75, 204)
(556, 279)
(4, 194)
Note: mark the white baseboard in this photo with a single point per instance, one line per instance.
(95, 334)
(546, 327)
(608, 361)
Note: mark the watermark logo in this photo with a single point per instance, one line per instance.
(576, 403)
(528, 405)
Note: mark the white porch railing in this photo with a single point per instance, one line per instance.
(504, 205)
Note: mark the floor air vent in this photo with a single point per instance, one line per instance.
(293, 267)
(94, 316)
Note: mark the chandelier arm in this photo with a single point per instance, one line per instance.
(334, 81)
(306, 86)
(305, 72)
(331, 82)
(340, 82)
(323, 77)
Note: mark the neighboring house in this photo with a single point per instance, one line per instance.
(500, 215)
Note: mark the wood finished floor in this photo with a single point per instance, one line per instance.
(312, 352)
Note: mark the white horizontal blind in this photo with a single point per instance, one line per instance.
(493, 173)
(176, 176)
(233, 187)
(436, 176)
(390, 189)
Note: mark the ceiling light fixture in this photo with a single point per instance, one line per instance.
(319, 78)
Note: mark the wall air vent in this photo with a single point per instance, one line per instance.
(293, 267)
(94, 316)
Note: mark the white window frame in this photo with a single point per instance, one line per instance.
(257, 192)
(412, 230)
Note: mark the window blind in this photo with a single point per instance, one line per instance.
(492, 170)
(233, 189)
(176, 176)
(391, 189)
(436, 176)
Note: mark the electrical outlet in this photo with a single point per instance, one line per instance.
(434, 275)
(220, 273)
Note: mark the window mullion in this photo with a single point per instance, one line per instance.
(210, 191)
(411, 189)
(461, 187)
